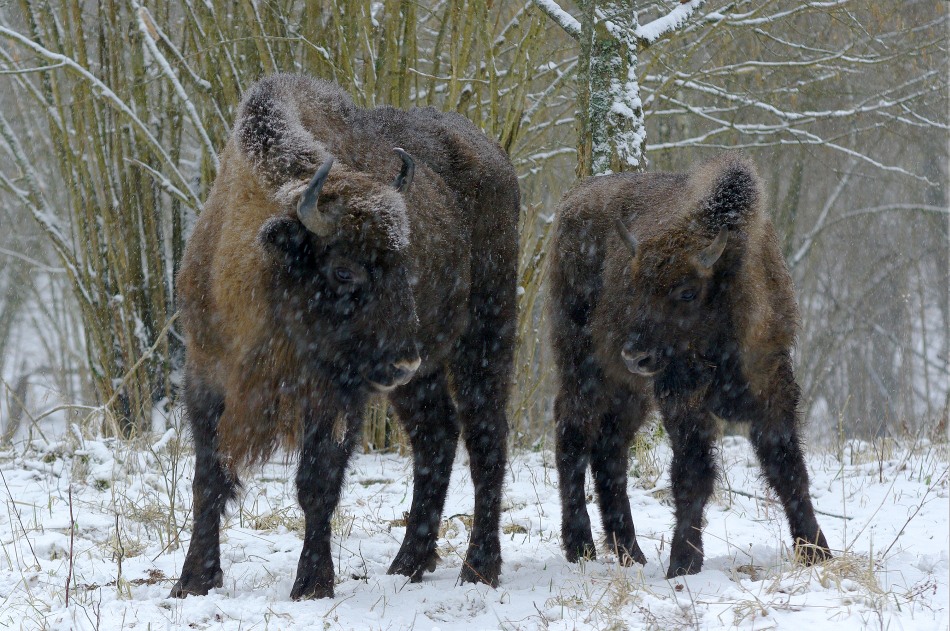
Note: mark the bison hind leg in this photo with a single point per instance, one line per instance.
(809, 553)
(427, 413)
(692, 475)
(783, 463)
(414, 562)
(774, 434)
(196, 583)
(482, 378)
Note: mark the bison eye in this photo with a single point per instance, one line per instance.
(686, 294)
(344, 275)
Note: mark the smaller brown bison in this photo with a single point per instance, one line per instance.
(346, 253)
(669, 291)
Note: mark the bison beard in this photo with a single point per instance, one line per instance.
(669, 292)
(323, 272)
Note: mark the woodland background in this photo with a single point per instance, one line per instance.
(111, 114)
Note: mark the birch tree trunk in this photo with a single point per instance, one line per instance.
(610, 128)
(611, 134)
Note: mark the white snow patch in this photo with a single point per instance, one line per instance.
(895, 573)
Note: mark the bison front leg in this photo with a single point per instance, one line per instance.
(323, 461)
(609, 465)
(778, 446)
(212, 487)
(427, 413)
(692, 474)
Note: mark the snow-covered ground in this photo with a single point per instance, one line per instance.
(128, 501)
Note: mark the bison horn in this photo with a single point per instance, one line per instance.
(307, 211)
(708, 257)
(629, 240)
(404, 179)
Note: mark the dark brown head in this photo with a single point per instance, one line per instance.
(674, 308)
(342, 288)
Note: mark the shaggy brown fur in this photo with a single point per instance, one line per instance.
(291, 328)
(668, 290)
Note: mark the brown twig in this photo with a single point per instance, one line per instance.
(771, 501)
(72, 530)
(914, 514)
(19, 519)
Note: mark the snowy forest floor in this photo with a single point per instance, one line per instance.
(128, 501)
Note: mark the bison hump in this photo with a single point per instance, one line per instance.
(727, 192)
(274, 124)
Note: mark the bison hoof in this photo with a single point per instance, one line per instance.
(482, 565)
(809, 553)
(196, 584)
(582, 552)
(578, 545)
(683, 564)
(412, 564)
(310, 588)
(679, 569)
(630, 554)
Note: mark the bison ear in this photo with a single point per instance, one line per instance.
(708, 257)
(404, 179)
(286, 239)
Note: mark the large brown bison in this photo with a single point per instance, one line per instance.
(669, 290)
(344, 253)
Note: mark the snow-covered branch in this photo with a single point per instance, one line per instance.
(752, 18)
(110, 97)
(142, 15)
(542, 99)
(651, 32)
(809, 238)
(792, 126)
(39, 207)
(561, 17)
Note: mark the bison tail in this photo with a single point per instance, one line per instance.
(728, 192)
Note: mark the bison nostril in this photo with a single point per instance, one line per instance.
(408, 366)
(643, 363)
(404, 370)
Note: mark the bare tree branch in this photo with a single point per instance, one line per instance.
(108, 95)
(561, 17)
(651, 32)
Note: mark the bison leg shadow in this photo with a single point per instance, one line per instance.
(323, 460)
(427, 413)
(212, 488)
